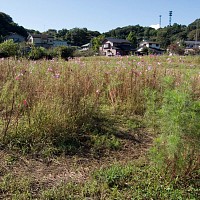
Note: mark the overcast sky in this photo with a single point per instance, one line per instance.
(98, 15)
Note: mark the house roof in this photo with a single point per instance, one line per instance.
(147, 42)
(86, 45)
(116, 40)
(40, 36)
(192, 42)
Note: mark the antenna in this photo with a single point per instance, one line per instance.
(170, 17)
(160, 16)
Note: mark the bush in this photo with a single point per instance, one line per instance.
(8, 49)
(37, 53)
(65, 52)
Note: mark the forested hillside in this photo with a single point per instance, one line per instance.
(165, 36)
(7, 26)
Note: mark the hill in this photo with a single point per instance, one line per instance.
(8, 26)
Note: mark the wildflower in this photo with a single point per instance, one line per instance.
(25, 103)
(56, 75)
(149, 68)
(50, 69)
(17, 77)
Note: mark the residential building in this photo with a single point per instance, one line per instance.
(15, 37)
(148, 46)
(191, 47)
(192, 44)
(59, 43)
(85, 47)
(114, 46)
(41, 40)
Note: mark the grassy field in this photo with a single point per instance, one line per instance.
(100, 128)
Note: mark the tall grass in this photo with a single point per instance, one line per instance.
(48, 103)
(51, 107)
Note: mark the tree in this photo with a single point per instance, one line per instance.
(80, 36)
(96, 42)
(176, 49)
(132, 39)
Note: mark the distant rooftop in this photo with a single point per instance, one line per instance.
(116, 40)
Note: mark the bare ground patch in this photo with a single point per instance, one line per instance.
(48, 173)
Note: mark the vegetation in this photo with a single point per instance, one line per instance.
(100, 128)
(7, 26)
(166, 36)
(9, 49)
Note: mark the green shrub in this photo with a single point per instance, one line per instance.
(176, 118)
(8, 49)
(65, 52)
(37, 53)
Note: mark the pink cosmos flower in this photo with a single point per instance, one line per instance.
(17, 77)
(149, 68)
(50, 69)
(57, 75)
(25, 102)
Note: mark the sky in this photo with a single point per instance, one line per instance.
(98, 15)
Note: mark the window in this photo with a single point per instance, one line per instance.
(106, 46)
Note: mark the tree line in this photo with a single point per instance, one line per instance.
(79, 36)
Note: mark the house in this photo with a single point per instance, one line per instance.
(148, 46)
(59, 43)
(15, 37)
(192, 44)
(114, 46)
(192, 47)
(40, 40)
(85, 47)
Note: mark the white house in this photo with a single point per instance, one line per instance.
(41, 40)
(150, 44)
(154, 47)
(115, 46)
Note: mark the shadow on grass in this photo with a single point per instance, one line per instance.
(101, 136)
